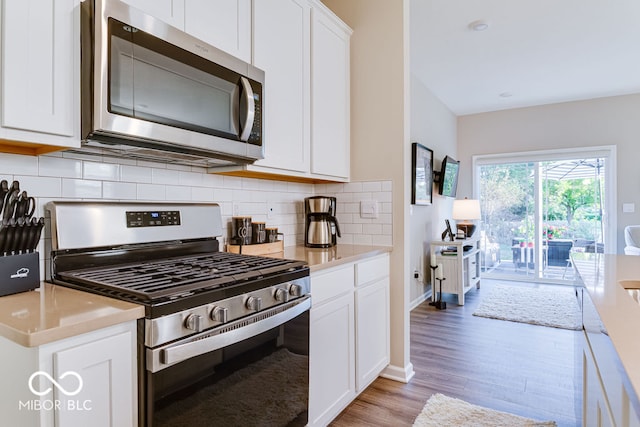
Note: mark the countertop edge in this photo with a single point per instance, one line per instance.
(48, 332)
(323, 259)
(617, 311)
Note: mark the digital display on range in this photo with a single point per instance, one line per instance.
(152, 218)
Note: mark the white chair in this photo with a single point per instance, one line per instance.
(632, 239)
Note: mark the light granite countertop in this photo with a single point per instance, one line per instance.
(52, 313)
(322, 258)
(619, 311)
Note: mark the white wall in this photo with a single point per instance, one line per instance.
(596, 122)
(434, 126)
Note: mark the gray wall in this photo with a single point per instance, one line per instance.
(596, 122)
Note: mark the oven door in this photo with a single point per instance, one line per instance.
(253, 371)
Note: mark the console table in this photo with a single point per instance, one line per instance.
(461, 269)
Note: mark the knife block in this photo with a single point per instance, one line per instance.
(19, 273)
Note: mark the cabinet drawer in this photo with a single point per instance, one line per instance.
(370, 270)
(326, 285)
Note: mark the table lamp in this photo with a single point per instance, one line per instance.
(465, 212)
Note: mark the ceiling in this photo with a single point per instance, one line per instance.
(538, 52)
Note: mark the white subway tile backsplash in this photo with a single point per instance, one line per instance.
(40, 186)
(119, 190)
(59, 167)
(135, 174)
(190, 178)
(202, 194)
(101, 171)
(353, 187)
(374, 187)
(12, 164)
(151, 192)
(81, 189)
(177, 193)
(372, 229)
(165, 176)
(65, 175)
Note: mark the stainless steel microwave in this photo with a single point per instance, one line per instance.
(153, 92)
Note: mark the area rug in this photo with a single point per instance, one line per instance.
(442, 410)
(547, 306)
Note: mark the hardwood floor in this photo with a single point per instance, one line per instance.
(529, 370)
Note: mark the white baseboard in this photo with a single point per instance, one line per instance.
(422, 298)
(397, 373)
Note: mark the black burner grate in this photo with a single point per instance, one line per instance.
(179, 276)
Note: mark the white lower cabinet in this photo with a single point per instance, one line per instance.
(349, 334)
(87, 380)
(596, 411)
(372, 340)
(332, 359)
(608, 397)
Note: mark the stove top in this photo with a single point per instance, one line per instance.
(162, 255)
(178, 277)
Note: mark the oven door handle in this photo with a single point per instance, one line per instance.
(163, 357)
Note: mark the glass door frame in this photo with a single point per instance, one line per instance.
(609, 211)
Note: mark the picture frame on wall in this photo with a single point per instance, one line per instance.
(421, 175)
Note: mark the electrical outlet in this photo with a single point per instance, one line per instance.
(271, 210)
(416, 275)
(236, 209)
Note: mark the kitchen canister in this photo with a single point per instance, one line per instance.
(258, 230)
(271, 234)
(241, 230)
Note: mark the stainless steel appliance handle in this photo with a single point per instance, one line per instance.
(247, 126)
(163, 357)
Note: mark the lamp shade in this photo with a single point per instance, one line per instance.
(467, 209)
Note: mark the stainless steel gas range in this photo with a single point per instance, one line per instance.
(225, 339)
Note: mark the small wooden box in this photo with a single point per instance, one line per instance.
(258, 249)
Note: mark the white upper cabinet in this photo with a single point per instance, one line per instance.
(281, 48)
(330, 136)
(40, 101)
(169, 11)
(225, 24)
(304, 50)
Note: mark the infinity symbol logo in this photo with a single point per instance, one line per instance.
(55, 383)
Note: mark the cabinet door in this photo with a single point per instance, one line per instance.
(331, 359)
(281, 48)
(40, 68)
(169, 11)
(330, 141)
(107, 396)
(372, 326)
(225, 24)
(595, 411)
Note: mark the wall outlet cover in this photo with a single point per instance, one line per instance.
(369, 209)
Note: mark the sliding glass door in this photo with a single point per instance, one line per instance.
(536, 212)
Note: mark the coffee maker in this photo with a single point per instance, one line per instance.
(321, 225)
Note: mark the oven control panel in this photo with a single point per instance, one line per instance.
(152, 218)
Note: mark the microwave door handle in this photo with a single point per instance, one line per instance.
(247, 126)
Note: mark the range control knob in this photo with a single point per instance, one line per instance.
(295, 290)
(193, 322)
(220, 314)
(281, 295)
(254, 303)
